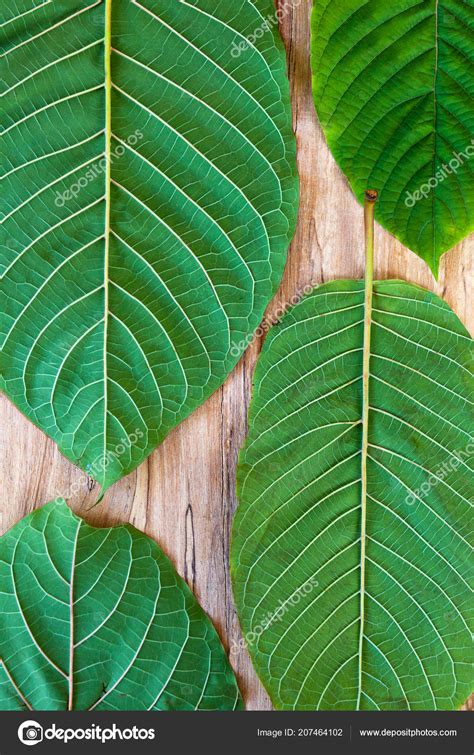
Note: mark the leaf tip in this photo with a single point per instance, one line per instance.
(58, 502)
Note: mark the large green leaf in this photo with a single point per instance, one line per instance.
(394, 90)
(125, 303)
(98, 619)
(359, 601)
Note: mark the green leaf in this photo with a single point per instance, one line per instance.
(359, 601)
(130, 286)
(394, 91)
(98, 619)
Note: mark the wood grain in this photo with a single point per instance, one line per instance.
(184, 495)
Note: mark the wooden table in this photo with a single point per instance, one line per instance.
(184, 494)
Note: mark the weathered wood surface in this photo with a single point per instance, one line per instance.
(184, 494)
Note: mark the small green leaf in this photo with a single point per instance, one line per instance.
(98, 619)
(353, 601)
(394, 90)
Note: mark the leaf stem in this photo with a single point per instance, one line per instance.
(369, 207)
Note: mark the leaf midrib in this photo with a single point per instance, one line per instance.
(435, 122)
(364, 457)
(72, 619)
(108, 143)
